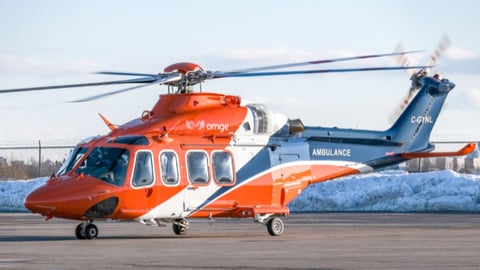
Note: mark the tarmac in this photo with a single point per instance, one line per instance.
(310, 241)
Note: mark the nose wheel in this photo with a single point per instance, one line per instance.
(180, 227)
(86, 230)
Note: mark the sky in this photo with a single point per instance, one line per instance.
(57, 42)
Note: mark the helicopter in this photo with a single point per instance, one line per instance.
(207, 155)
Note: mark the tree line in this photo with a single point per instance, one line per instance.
(19, 170)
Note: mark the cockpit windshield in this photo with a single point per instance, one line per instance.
(108, 164)
(75, 156)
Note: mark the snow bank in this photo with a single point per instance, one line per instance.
(391, 191)
(13, 193)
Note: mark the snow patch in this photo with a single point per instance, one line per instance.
(14, 192)
(393, 191)
(390, 191)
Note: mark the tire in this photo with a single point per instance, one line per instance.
(91, 231)
(275, 226)
(80, 232)
(180, 227)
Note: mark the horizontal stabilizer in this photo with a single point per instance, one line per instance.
(467, 149)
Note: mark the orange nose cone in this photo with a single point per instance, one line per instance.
(38, 202)
(72, 198)
(30, 203)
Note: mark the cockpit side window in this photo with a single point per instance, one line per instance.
(223, 167)
(143, 174)
(169, 167)
(197, 164)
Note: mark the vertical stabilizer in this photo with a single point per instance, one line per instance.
(415, 124)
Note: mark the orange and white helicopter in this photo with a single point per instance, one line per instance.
(207, 155)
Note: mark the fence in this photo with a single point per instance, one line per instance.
(39, 158)
(35, 158)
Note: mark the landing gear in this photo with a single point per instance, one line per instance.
(275, 225)
(86, 230)
(180, 226)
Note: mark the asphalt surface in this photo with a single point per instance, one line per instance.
(310, 241)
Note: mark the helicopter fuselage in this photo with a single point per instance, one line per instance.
(205, 155)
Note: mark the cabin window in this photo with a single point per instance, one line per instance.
(108, 164)
(197, 163)
(143, 171)
(222, 167)
(169, 168)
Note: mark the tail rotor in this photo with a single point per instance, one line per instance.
(415, 75)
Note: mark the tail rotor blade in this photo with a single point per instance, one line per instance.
(443, 45)
(404, 60)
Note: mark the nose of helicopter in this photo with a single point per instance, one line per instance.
(38, 202)
(71, 198)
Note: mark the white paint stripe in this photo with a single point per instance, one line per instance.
(362, 168)
(173, 207)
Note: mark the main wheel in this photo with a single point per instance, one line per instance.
(91, 231)
(180, 227)
(275, 226)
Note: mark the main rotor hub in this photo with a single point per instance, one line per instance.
(191, 74)
(183, 67)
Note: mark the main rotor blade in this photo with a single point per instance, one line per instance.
(111, 93)
(138, 80)
(296, 72)
(124, 73)
(325, 61)
(164, 80)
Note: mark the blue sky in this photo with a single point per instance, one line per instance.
(56, 42)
